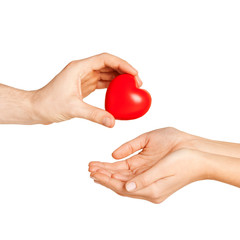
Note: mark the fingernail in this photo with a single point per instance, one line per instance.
(93, 178)
(139, 81)
(131, 186)
(107, 122)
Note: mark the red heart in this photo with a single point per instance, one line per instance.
(124, 100)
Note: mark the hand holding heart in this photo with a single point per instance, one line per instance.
(62, 98)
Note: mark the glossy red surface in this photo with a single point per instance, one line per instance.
(124, 100)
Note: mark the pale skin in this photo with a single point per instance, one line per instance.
(169, 160)
(62, 98)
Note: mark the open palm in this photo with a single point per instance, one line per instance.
(155, 146)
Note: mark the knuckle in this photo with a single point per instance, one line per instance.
(170, 129)
(72, 63)
(104, 54)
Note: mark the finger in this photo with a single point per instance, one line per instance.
(155, 193)
(118, 187)
(130, 147)
(159, 190)
(106, 79)
(103, 171)
(139, 81)
(122, 177)
(96, 115)
(133, 164)
(148, 177)
(108, 172)
(121, 165)
(106, 69)
(108, 76)
(120, 69)
(113, 184)
(122, 174)
(103, 84)
(107, 60)
(93, 168)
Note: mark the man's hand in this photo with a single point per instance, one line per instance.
(62, 98)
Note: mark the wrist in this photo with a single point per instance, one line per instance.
(38, 108)
(214, 165)
(207, 169)
(188, 141)
(206, 165)
(33, 108)
(202, 164)
(193, 163)
(198, 164)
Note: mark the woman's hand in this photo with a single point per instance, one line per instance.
(62, 98)
(169, 160)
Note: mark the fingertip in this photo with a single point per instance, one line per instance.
(96, 176)
(115, 155)
(135, 71)
(91, 163)
(113, 122)
(93, 168)
(109, 121)
(92, 175)
(139, 81)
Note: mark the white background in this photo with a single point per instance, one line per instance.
(188, 56)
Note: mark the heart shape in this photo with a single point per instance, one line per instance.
(124, 100)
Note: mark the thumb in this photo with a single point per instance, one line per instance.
(97, 115)
(145, 179)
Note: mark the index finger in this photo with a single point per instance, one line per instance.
(106, 60)
(114, 184)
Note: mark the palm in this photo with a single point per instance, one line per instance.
(155, 145)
